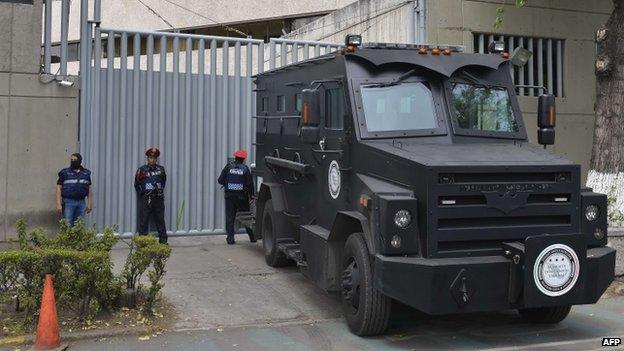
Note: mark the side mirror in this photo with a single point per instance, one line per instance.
(311, 107)
(546, 119)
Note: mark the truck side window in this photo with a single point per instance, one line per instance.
(334, 108)
(298, 102)
(264, 105)
(281, 103)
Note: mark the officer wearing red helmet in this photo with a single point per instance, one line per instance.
(239, 190)
(149, 182)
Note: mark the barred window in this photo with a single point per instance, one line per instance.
(545, 68)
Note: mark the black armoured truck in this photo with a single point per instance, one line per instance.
(404, 172)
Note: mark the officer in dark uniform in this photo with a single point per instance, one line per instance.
(72, 187)
(149, 182)
(239, 190)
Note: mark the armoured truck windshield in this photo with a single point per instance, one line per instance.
(483, 108)
(406, 106)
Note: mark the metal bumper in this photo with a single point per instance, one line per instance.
(490, 283)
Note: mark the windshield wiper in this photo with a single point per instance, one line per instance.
(476, 80)
(396, 80)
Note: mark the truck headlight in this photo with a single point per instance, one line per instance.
(396, 241)
(591, 212)
(402, 218)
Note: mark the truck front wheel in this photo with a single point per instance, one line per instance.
(272, 255)
(546, 315)
(366, 309)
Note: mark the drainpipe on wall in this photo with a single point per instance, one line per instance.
(421, 13)
(411, 19)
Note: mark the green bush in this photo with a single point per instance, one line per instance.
(158, 254)
(80, 262)
(78, 259)
(145, 251)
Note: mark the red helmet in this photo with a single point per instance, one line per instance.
(240, 154)
(152, 151)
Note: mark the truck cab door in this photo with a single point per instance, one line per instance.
(333, 147)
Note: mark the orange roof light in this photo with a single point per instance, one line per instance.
(422, 51)
(505, 55)
(435, 51)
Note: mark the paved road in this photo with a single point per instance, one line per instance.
(226, 298)
(410, 330)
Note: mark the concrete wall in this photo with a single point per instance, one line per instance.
(375, 20)
(38, 123)
(162, 15)
(454, 21)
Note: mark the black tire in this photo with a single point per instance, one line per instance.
(366, 309)
(545, 315)
(272, 255)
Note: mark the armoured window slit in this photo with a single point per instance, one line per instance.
(503, 222)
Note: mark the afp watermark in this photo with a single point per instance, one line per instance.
(611, 341)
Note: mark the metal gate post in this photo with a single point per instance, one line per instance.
(84, 68)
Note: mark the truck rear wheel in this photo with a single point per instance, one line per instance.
(366, 309)
(272, 255)
(546, 315)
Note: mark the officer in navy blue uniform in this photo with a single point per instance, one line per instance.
(149, 182)
(239, 190)
(72, 187)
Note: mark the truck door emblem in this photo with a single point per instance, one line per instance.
(322, 144)
(334, 179)
(556, 270)
(506, 201)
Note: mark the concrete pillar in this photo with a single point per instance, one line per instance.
(38, 122)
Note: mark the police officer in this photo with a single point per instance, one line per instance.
(149, 182)
(72, 187)
(239, 190)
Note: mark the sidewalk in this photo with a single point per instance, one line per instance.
(210, 284)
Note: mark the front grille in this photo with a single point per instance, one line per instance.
(502, 222)
(481, 199)
(478, 208)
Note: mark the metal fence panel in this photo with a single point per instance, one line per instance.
(189, 95)
(187, 153)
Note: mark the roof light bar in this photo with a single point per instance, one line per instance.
(428, 47)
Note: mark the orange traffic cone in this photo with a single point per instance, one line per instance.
(48, 336)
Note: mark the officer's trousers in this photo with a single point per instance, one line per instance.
(152, 208)
(234, 202)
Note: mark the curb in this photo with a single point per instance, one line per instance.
(615, 232)
(77, 335)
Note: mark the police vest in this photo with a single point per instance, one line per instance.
(235, 178)
(75, 184)
(153, 181)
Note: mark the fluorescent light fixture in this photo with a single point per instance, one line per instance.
(65, 83)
